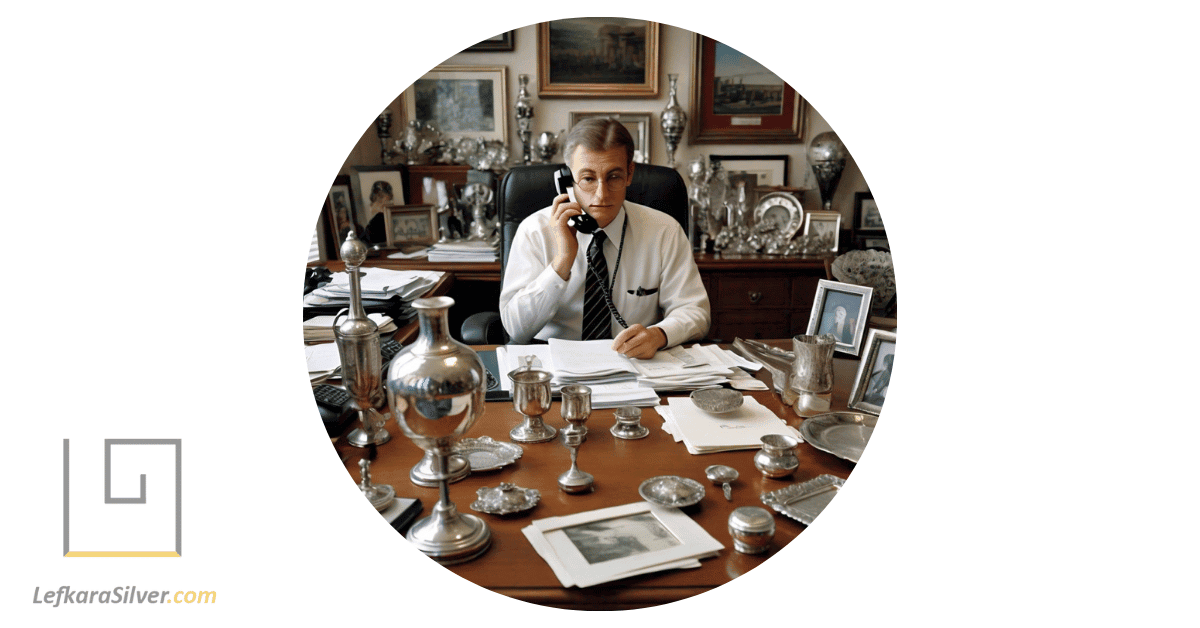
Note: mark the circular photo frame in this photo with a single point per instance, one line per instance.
(783, 210)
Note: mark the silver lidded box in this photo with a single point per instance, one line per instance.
(752, 529)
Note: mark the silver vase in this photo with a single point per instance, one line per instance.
(827, 156)
(436, 390)
(674, 120)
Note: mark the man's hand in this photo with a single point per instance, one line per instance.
(565, 244)
(639, 342)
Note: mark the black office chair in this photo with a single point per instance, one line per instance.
(526, 189)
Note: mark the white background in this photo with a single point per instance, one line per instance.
(1034, 162)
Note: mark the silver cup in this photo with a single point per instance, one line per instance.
(812, 368)
(576, 408)
(531, 397)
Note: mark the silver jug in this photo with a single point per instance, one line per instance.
(777, 458)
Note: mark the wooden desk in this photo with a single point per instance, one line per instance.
(512, 567)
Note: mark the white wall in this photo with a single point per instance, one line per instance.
(676, 57)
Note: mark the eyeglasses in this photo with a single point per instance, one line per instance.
(614, 182)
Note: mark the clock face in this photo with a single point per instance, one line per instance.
(782, 211)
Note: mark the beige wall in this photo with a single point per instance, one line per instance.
(676, 57)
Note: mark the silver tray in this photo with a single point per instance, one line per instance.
(487, 454)
(671, 490)
(843, 434)
(804, 501)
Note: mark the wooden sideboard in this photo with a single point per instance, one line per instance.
(752, 296)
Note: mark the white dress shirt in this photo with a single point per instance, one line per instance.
(536, 303)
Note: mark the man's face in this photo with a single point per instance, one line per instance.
(600, 181)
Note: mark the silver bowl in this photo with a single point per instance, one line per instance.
(671, 490)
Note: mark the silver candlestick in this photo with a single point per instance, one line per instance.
(357, 340)
(573, 480)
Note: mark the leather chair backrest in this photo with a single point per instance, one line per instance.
(526, 189)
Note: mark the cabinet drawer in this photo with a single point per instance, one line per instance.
(728, 324)
(752, 291)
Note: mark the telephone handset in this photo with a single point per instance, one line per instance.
(564, 182)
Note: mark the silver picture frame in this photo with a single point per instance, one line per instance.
(842, 310)
(821, 222)
(874, 372)
(411, 224)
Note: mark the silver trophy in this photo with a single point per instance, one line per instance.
(357, 340)
(524, 118)
(547, 145)
(827, 156)
(674, 120)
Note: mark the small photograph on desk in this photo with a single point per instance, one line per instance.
(602, 541)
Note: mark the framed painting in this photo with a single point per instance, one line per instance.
(638, 125)
(598, 56)
(824, 224)
(866, 214)
(841, 309)
(770, 170)
(736, 100)
(504, 42)
(461, 101)
(411, 224)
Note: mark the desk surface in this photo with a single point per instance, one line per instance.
(512, 567)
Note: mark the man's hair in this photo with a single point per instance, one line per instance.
(598, 134)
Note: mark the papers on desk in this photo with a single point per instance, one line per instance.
(704, 433)
(617, 380)
(467, 251)
(608, 544)
(320, 328)
(323, 360)
(381, 283)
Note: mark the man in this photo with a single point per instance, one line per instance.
(651, 274)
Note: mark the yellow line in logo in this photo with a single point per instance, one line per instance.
(122, 555)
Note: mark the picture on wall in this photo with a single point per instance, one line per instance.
(598, 56)
(638, 125)
(736, 100)
(461, 101)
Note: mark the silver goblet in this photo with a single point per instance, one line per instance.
(576, 408)
(574, 480)
(531, 397)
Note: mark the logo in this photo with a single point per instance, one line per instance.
(136, 511)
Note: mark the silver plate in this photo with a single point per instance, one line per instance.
(843, 434)
(487, 454)
(671, 490)
(804, 501)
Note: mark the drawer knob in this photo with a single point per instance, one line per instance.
(755, 296)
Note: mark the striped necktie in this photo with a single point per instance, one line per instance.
(596, 319)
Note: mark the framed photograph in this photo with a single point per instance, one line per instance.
(411, 224)
(598, 56)
(769, 169)
(841, 309)
(461, 101)
(504, 42)
(339, 213)
(781, 210)
(824, 224)
(373, 189)
(607, 544)
(735, 100)
(866, 214)
(874, 372)
(872, 242)
(638, 125)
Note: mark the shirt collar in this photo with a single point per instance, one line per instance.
(613, 230)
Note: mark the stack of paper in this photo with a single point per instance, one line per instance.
(466, 251)
(611, 392)
(383, 290)
(323, 360)
(320, 328)
(704, 433)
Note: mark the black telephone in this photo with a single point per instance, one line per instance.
(564, 182)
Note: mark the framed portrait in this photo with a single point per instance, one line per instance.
(866, 214)
(373, 189)
(461, 101)
(638, 125)
(824, 224)
(874, 372)
(411, 224)
(598, 56)
(841, 309)
(339, 215)
(607, 544)
(770, 170)
(736, 100)
(504, 42)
